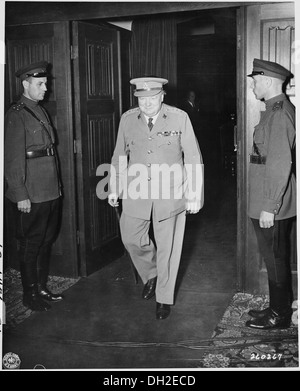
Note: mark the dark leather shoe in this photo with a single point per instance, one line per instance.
(47, 295)
(259, 313)
(272, 320)
(149, 288)
(162, 311)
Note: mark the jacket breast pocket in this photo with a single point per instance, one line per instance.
(169, 142)
(36, 137)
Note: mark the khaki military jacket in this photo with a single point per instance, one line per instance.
(35, 179)
(272, 185)
(139, 155)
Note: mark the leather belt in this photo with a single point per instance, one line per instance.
(40, 153)
(258, 159)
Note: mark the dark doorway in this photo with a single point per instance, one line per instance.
(206, 65)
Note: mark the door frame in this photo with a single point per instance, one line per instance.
(111, 248)
(242, 218)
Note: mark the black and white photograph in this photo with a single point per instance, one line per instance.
(148, 197)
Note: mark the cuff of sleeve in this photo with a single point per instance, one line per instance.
(271, 206)
(20, 194)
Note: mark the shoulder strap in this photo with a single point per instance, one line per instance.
(45, 113)
(17, 106)
(33, 114)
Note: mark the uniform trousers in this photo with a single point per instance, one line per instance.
(159, 260)
(273, 246)
(36, 232)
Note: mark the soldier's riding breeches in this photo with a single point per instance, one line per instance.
(36, 232)
(273, 246)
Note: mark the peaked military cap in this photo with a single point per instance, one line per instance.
(37, 69)
(269, 68)
(148, 86)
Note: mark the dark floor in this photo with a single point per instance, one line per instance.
(104, 323)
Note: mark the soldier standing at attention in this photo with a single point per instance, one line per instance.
(272, 189)
(32, 184)
(151, 137)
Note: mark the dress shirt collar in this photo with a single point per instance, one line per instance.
(154, 117)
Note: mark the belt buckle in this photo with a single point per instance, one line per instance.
(50, 151)
(255, 159)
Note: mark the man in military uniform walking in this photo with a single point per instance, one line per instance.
(32, 184)
(154, 137)
(272, 189)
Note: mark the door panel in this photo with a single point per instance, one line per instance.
(97, 102)
(49, 42)
(270, 35)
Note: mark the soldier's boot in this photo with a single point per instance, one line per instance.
(280, 297)
(43, 273)
(31, 298)
(280, 311)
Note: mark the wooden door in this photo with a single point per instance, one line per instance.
(96, 65)
(50, 42)
(266, 31)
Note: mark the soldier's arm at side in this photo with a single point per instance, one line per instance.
(14, 156)
(279, 161)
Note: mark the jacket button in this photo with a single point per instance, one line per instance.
(148, 164)
(149, 179)
(149, 151)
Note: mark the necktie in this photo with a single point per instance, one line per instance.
(150, 124)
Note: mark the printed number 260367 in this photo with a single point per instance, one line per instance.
(266, 356)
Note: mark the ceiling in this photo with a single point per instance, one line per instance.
(23, 12)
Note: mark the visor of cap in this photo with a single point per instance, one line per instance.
(151, 92)
(37, 73)
(255, 73)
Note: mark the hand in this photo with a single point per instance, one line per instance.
(113, 200)
(266, 219)
(24, 206)
(192, 207)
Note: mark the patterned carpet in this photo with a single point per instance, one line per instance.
(15, 312)
(235, 346)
